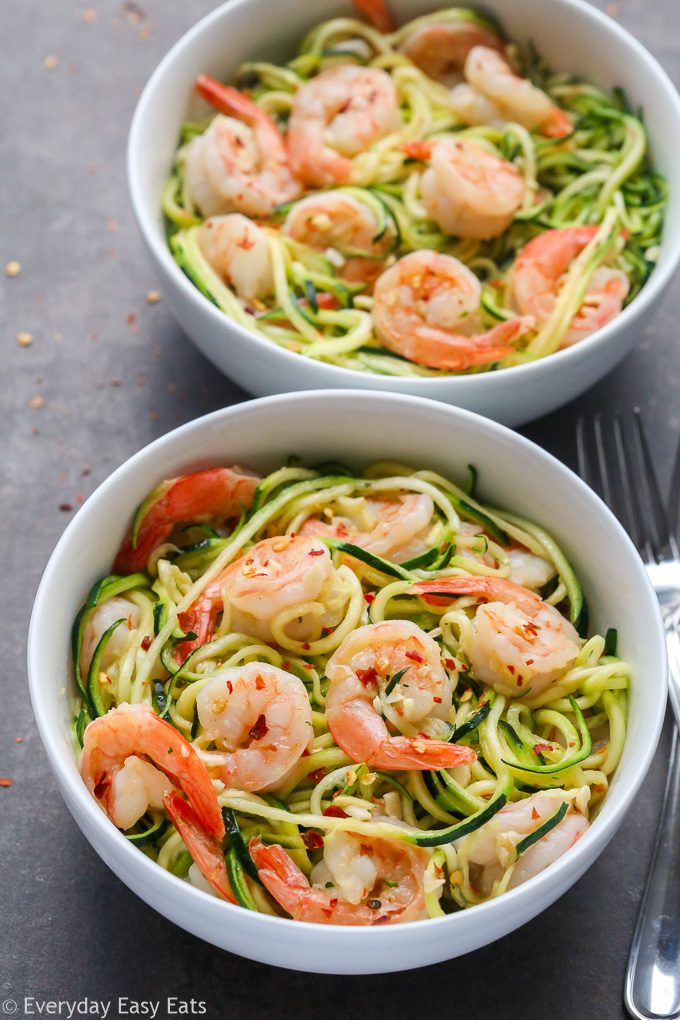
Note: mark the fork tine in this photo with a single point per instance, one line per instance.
(674, 495)
(630, 489)
(664, 544)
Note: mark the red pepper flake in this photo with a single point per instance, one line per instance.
(437, 701)
(146, 642)
(369, 598)
(541, 747)
(334, 901)
(131, 318)
(285, 665)
(186, 621)
(305, 753)
(306, 646)
(66, 507)
(5, 782)
(367, 676)
(317, 775)
(259, 683)
(326, 630)
(18, 740)
(530, 662)
(534, 813)
(415, 656)
(230, 686)
(449, 663)
(317, 552)
(327, 912)
(463, 668)
(260, 728)
(334, 812)
(511, 669)
(312, 840)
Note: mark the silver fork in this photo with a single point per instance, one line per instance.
(614, 459)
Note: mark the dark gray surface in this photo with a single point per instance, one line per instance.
(69, 928)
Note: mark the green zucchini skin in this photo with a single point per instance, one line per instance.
(93, 682)
(237, 880)
(238, 845)
(439, 837)
(542, 830)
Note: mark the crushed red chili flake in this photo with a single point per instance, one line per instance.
(326, 630)
(463, 668)
(534, 813)
(66, 507)
(530, 662)
(146, 642)
(511, 669)
(18, 740)
(285, 665)
(369, 598)
(449, 663)
(437, 701)
(317, 775)
(334, 901)
(312, 840)
(259, 683)
(5, 782)
(305, 753)
(334, 812)
(230, 686)
(186, 621)
(367, 676)
(260, 728)
(306, 646)
(317, 552)
(541, 747)
(415, 656)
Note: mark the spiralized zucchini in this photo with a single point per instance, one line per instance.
(599, 174)
(564, 736)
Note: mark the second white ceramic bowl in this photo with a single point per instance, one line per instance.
(571, 34)
(357, 428)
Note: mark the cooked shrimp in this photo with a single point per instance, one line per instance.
(203, 846)
(218, 492)
(377, 12)
(337, 115)
(504, 96)
(260, 720)
(439, 48)
(103, 617)
(539, 272)
(394, 529)
(238, 251)
(491, 848)
(275, 575)
(359, 671)
(426, 308)
(362, 872)
(338, 222)
(529, 570)
(115, 765)
(519, 644)
(468, 191)
(240, 163)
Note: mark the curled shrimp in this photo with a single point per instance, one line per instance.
(520, 644)
(439, 48)
(260, 720)
(420, 701)
(539, 271)
(132, 758)
(335, 116)
(204, 848)
(240, 163)
(394, 529)
(218, 492)
(468, 191)
(361, 880)
(528, 569)
(276, 575)
(104, 616)
(493, 92)
(238, 251)
(340, 224)
(491, 848)
(426, 307)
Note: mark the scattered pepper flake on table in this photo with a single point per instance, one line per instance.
(24, 339)
(51, 62)
(5, 782)
(89, 15)
(65, 507)
(37, 402)
(13, 268)
(153, 297)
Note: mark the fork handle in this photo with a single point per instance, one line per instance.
(652, 990)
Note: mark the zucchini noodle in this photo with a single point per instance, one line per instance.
(321, 304)
(552, 739)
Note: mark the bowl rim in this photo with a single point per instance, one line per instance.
(336, 376)
(590, 844)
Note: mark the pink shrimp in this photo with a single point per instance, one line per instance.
(361, 668)
(218, 492)
(468, 191)
(240, 163)
(205, 849)
(538, 273)
(520, 644)
(394, 529)
(373, 880)
(377, 12)
(335, 116)
(426, 307)
(115, 767)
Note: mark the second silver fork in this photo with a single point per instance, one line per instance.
(615, 460)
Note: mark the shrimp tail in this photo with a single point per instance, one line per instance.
(497, 589)
(420, 753)
(378, 13)
(557, 125)
(203, 847)
(230, 101)
(418, 149)
(457, 352)
(219, 492)
(279, 874)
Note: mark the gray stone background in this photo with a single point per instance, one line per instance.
(106, 372)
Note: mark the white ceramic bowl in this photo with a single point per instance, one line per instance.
(359, 428)
(571, 34)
